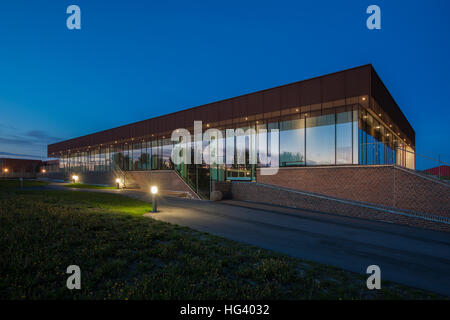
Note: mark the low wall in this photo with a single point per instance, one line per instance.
(105, 178)
(250, 191)
(166, 180)
(384, 185)
(224, 187)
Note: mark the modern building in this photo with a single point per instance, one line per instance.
(346, 118)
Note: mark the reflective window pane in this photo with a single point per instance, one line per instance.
(320, 140)
(292, 142)
(344, 138)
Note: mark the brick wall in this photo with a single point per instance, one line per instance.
(250, 191)
(224, 187)
(384, 185)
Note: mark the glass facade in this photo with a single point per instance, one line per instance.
(380, 145)
(336, 133)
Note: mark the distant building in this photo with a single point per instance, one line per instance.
(443, 171)
(19, 168)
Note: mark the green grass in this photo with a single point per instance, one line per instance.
(14, 183)
(123, 255)
(86, 186)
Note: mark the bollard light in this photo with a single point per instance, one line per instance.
(44, 171)
(154, 191)
(118, 183)
(5, 170)
(75, 179)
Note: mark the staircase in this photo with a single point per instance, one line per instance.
(192, 186)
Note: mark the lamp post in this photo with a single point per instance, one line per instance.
(154, 191)
(75, 179)
(118, 183)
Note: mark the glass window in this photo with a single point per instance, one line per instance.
(292, 142)
(102, 159)
(320, 140)
(410, 158)
(166, 154)
(146, 155)
(355, 137)
(273, 144)
(367, 143)
(118, 157)
(377, 145)
(261, 142)
(137, 156)
(156, 155)
(344, 137)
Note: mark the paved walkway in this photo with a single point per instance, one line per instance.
(412, 256)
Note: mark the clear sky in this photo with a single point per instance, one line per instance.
(134, 60)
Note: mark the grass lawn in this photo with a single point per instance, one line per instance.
(86, 186)
(14, 183)
(123, 255)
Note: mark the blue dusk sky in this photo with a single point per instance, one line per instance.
(134, 60)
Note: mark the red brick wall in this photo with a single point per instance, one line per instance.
(249, 191)
(386, 185)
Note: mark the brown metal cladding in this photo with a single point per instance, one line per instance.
(388, 104)
(333, 87)
(307, 94)
(290, 96)
(357, 81)
(310, 92)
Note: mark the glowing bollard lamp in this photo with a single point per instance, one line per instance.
(154, 191)
(75, 179)
(118, 183)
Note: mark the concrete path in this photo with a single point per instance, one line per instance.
(415, 257)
